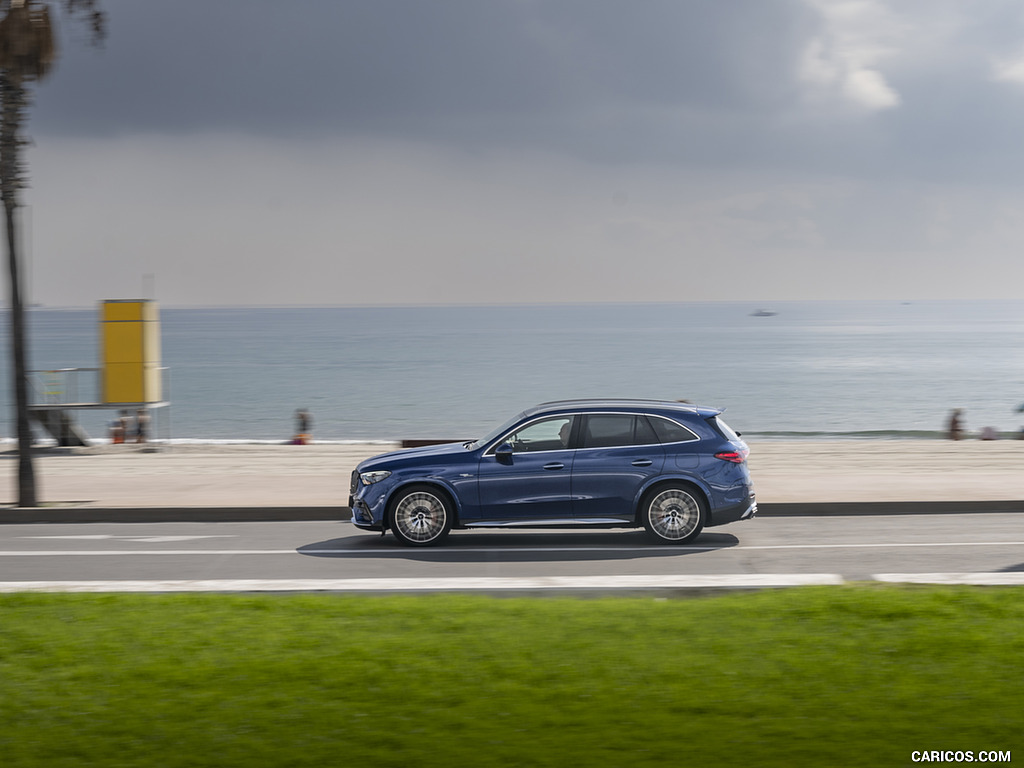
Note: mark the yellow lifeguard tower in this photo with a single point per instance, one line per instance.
(129, 377)
(130, 352)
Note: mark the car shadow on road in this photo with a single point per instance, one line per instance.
(533, 546)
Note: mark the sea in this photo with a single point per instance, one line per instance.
(802, 370)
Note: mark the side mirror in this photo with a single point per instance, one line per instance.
(503, 453)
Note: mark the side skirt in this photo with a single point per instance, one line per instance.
(567, 523)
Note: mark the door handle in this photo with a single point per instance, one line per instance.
(554, 465)
(642, 463)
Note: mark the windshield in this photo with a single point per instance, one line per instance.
(495, 434)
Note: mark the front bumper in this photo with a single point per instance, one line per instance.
(367, 503)
(362, 517)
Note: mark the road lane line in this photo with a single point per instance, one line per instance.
(724, 581)
(141, 552)
(497, 584)
(137, 538)
(888, 545)
(491, 550)
(1006, 578)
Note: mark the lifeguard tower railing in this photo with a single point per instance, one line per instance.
(56, 394)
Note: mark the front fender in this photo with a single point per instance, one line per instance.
(436, 482)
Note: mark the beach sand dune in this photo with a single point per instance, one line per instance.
(317, 475)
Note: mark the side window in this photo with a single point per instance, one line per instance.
(644, 432)
(670, 432)
(545, 435)
(608, 430)
(728, 432)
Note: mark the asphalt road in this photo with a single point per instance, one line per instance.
(267, 556)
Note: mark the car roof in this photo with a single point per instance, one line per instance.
(623, 404)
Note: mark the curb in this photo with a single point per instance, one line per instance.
(172, 514)
(343, 514)
(847, 508)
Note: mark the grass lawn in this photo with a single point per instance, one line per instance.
(830, 676)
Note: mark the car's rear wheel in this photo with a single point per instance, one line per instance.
(421, 516)
(674, 514)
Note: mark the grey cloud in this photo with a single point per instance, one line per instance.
(405, 67)
(694, 83)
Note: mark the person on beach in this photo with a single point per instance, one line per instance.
(141, 426)
(117, 429)
(956, 427)
(303, 427)
(121, 429)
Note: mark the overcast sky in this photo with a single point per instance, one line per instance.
(480, 151)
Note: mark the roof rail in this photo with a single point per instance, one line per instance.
(613, 400)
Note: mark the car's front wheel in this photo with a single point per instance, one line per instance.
(674, 514)
(421, 516)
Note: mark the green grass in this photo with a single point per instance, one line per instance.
(858, 675)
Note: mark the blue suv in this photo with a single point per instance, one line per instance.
(670, 467)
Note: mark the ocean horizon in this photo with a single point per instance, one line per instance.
(821, 370)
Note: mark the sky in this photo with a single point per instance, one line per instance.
(351, 152)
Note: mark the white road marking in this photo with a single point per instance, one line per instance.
(728, 581)
(147, 539)
(372, 552)
(141, 552)
(497, 584)
(889, 545)
(1005, 578)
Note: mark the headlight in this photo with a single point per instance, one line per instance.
(369, 478)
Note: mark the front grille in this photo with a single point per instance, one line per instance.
(354, 485)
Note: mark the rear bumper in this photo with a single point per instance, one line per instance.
(731, 514)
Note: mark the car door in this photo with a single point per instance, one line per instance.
(532, 481)
(617, 454)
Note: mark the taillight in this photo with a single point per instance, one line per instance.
(736, 457)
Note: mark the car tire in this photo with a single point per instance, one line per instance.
(674, 514)
(420, 516)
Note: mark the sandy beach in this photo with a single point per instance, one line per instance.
(318, 475)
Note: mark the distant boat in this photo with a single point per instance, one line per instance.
(763, 313)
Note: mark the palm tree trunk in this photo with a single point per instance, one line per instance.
(12, 109)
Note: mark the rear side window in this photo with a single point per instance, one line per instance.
(727, 432)
(608, 430)
(671, 432)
